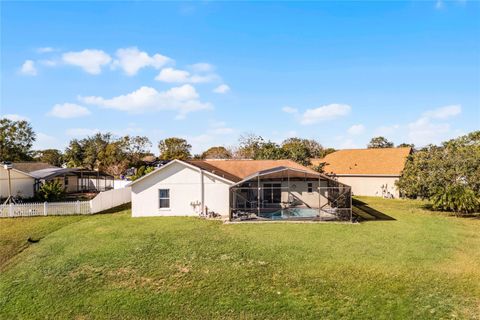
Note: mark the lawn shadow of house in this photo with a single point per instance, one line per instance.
(364, 212)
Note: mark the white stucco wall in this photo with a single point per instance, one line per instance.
(22, 184)
(370, 185)
(184, 184)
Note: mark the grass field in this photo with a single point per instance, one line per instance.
(419, 266)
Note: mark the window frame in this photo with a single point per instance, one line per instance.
(160, 198)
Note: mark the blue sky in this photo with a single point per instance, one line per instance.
(338, 72)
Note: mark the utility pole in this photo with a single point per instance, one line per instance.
(8, 166)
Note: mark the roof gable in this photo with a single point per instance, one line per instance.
(382, 161)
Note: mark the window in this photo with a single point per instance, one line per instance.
(310, 187)
(65, 181)
(164, 198)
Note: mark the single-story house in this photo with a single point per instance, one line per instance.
(370, 172)
(27, 177)
(240, 189)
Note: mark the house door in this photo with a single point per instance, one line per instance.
(272, 193)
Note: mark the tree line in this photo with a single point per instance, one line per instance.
(448, 175)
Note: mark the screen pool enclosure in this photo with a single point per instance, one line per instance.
(284, 193)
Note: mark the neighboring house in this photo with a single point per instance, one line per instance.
(267, 189)
(370, 172)
(27, 178)
(22, 183)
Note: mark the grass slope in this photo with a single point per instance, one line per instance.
(113, 266)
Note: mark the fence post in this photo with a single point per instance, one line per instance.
(77, 207)
(45, 205)
(10, 210)
(91, 206)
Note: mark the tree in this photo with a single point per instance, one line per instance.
(216, 153)
(135, 148)
(270, 151)
(406, 145)
(249, 146)
(51, 156)
(298, 150)
(107, 153)
(447, 175)
(379, 142)
(51, 191)
(174, 148)
(302, 150)
(74, 153)
(16, 139)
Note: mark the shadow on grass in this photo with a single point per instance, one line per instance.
(117, 209)
(370, 212)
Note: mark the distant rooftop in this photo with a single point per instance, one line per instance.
(381, 161)
(32, 166)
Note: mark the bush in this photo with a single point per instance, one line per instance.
(457, 198)
(51, 191)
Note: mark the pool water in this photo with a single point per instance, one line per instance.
(291, 213)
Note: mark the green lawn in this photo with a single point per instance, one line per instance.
(420, 266)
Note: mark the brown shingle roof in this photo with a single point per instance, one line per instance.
(236, 170)
(387, 161)
(31, 166)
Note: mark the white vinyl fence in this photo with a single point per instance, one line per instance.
(109, 199)
(103, 201)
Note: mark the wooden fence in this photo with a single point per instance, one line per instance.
(103, 201)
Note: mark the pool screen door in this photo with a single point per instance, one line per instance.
(272, 193)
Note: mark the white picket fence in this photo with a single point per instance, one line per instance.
(103, 201)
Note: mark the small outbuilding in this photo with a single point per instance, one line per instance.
(240, 190)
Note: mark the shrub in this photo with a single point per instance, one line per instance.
(457, 198)
(51, 190)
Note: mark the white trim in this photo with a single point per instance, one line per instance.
(367, 175)
(181, 162)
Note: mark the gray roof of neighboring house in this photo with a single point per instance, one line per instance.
(52, 172)
(28, 167)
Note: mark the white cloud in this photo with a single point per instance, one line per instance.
(131, 60)
(327, 112)
(202, 67)
(223, 88)
(15, 117)
(68, 110)
(356, 129)
(348, 144)
(439, 4)
(444, 112)
(81, 132)
(288, 109)
(182, 99)
(45, 50)
(386, 130)
(28, 68)
(423, 131)
(49, 62)
(172, 75)
(44, 141)
(220, 128)
(90, 60)
(427, 129)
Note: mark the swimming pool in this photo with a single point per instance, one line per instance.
(291, 213)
